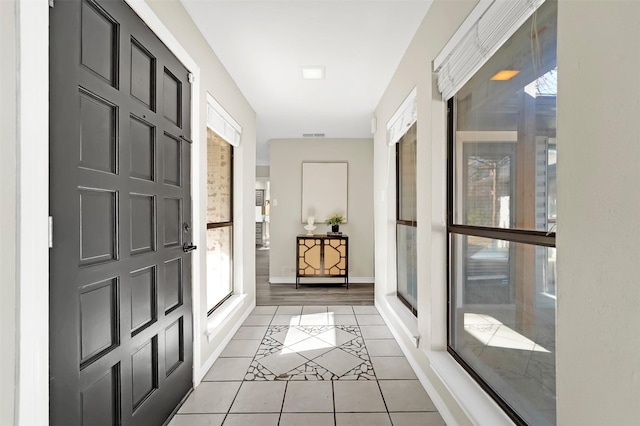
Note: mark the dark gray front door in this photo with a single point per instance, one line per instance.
(120, 282)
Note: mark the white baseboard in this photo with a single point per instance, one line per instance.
(282, 280)
(362, 280)
(476, 404)
(292, 280)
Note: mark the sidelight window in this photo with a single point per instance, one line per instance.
(402, 131)
(406, 224)
(219, 220)
(223, 136)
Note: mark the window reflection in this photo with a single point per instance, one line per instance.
(502, 284)
(503, 324)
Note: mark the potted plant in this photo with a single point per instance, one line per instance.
(335, 222)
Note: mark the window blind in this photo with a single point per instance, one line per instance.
(222, 123)
(485, 30)
(403, 118)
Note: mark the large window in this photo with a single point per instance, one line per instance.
(501, 222)
(219, 220)
(406, 224)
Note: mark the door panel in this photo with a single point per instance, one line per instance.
(120, 283)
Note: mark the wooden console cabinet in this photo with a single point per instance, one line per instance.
(322, 256)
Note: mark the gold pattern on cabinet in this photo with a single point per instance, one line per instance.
(322, 256)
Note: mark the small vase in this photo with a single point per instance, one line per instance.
(335, 228)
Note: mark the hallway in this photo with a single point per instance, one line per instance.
(306, 294)
(310, 365)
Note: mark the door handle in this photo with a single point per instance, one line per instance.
(187, 247)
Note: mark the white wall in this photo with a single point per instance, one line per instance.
(215, 80)
(415, 70)
(598, 355)
(262, 171)
(8, 139)
(598, 366)
(287, 156)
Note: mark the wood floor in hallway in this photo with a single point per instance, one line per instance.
(307, 294)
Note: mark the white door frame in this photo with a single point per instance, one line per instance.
(32, 210)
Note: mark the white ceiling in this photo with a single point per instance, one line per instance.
(264, 43)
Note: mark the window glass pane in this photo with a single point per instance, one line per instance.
(407, 265)
(505, 139)
(406, 210)
(407, 174)
(219, 240)
(503, 320)
(502, 304)
(219, 265)
(218, 178)
(489, 181)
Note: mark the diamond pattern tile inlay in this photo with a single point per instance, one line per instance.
(313, 352)
(338, 361)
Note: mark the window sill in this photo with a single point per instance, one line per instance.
(408, 322)
(224, 312)
(476, 404)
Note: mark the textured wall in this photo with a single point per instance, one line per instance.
(598, 355)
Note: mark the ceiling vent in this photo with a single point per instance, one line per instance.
(313, 135)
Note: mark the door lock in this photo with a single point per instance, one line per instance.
(187, 247)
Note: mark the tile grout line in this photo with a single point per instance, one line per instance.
(374, 372)
(333, 394)
(383, 399)
(245, 374)
(231, 405)
(284, 397)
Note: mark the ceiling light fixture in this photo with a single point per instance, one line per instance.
(313, 73)
(505, 75)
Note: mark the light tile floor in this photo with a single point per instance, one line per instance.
(310, 366)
